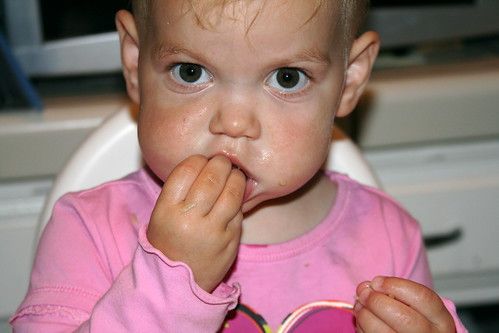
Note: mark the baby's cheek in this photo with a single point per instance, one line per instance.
(304, 146)
(157, 157)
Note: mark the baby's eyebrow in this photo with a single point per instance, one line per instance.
(312, 55)
(165, 50)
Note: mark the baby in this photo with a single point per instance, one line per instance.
(233, 225)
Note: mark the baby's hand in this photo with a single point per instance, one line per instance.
(389, 304)
(197, 218)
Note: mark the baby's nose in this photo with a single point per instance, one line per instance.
(236, 118)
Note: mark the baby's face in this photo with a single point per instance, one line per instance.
(265, 95)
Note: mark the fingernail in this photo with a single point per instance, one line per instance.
(365, 284)
(364, 294)
(361, 287)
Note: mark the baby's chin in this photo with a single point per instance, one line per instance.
(262, 201)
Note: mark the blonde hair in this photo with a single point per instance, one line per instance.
(352, 13)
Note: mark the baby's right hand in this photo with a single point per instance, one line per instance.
(197, 218)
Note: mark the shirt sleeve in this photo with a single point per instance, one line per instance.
(72, 286)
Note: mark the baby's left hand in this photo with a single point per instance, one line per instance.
(390, 304)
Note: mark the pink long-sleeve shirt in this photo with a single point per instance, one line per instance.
(96, 271)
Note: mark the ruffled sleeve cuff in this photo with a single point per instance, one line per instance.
(224, 294)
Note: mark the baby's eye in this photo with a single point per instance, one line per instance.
(190, 74)
(287, 80)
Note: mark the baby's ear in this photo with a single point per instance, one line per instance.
(129, 46)
(362, 56)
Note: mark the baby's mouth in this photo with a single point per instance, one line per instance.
(235, 166)
(251, 182)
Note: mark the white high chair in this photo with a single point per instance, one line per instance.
(112, 151)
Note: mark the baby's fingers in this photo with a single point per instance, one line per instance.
(419, 297)
(404, 305)
(208, 186)
(181, 179)
(367, 322)
(229, 203)
(378, 312)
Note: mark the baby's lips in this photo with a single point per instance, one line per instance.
(250, 186)
(250, 181)
(237, 167)
(237, 164)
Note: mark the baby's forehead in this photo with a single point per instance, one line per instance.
(210, 13)
(276, 33)
(352, 12)
(252, 19)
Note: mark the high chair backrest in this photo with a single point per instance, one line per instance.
(112, 151)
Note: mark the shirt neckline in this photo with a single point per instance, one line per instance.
(305, 242)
